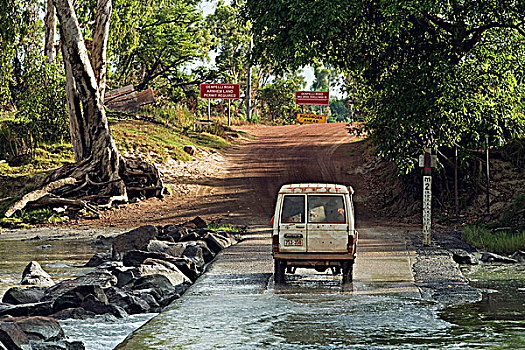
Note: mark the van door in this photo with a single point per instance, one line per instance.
(327, 223)
(292, 224)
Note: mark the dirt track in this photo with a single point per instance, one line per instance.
(242, 188)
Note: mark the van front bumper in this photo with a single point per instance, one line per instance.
(314, 256)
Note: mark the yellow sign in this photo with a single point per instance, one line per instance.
(311, 118)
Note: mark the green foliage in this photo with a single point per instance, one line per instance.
(277, 98)
(421, 73)
(42, 158)
(41, 115)
(28, 218)
(506, 235)
(152, 42)
(339, 111)
(502, 242)
(225, 228)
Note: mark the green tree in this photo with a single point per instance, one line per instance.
(156, 42)
(277, 98)
(427, 73)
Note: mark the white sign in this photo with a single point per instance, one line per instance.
(427, 208)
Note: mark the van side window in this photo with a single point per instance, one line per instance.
(326, 209)
(293, 209)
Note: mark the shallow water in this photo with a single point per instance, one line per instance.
(312, 311)
(216, 314)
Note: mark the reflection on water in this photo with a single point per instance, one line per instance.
(500, 317)
(61, 258)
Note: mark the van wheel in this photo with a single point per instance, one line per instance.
(279, 267)
(348, 271)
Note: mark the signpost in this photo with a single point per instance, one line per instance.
(427, 161)
(311, 118)
(312, 97)
(220, 91)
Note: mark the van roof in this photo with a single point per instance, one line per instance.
(316, 188)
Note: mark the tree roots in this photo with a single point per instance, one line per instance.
(82, 187)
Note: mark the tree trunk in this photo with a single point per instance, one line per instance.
(100, 175)
(100, 43)
(50, 21)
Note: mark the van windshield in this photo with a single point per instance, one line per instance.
(327, 209)
(293, 209)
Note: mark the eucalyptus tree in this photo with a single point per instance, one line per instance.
(426, 72)
(100, 175)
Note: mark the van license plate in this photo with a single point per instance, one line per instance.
(293, 242)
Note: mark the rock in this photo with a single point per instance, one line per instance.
(75, 297)
(194, 253)
(207, 254)
(60, 345)
(165, 268)
(36, 309)
(100, 307)
(519, 256)
(98, 259)
(173, 249)
(136, 239)
(76, 313)
(20, 295)
(102, 242)
(463, 257)
(167, 292)
(150, 300)
(199, 222)
(495, 258)
(131, 303)
(216, 243)
(125, 275)
(137, 257)
(13, 337)
(176, 232)
(191, 150)
(39, 328)
(190, 236)
(34, 275)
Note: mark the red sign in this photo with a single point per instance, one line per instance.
(220, 91)
(311, 97)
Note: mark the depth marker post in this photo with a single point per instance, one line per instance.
(427, 161)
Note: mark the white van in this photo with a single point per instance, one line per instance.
(313, 227)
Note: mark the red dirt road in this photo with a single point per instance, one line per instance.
(243, 192)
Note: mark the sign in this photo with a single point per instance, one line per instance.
(311, 118)
(433, 161)
(311, 97)
(427, 208)
(220, 91)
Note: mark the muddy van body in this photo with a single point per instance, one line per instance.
(314, 227)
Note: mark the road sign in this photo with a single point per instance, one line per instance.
(220, 91)
(311, 118)
(312, 97)
(427, 208)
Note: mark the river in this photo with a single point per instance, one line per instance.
(236, 305)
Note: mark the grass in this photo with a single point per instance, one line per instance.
(158, 142)
(505, 235)
(43, 158)
(228, 228)
(28, 218)
(501, 242)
